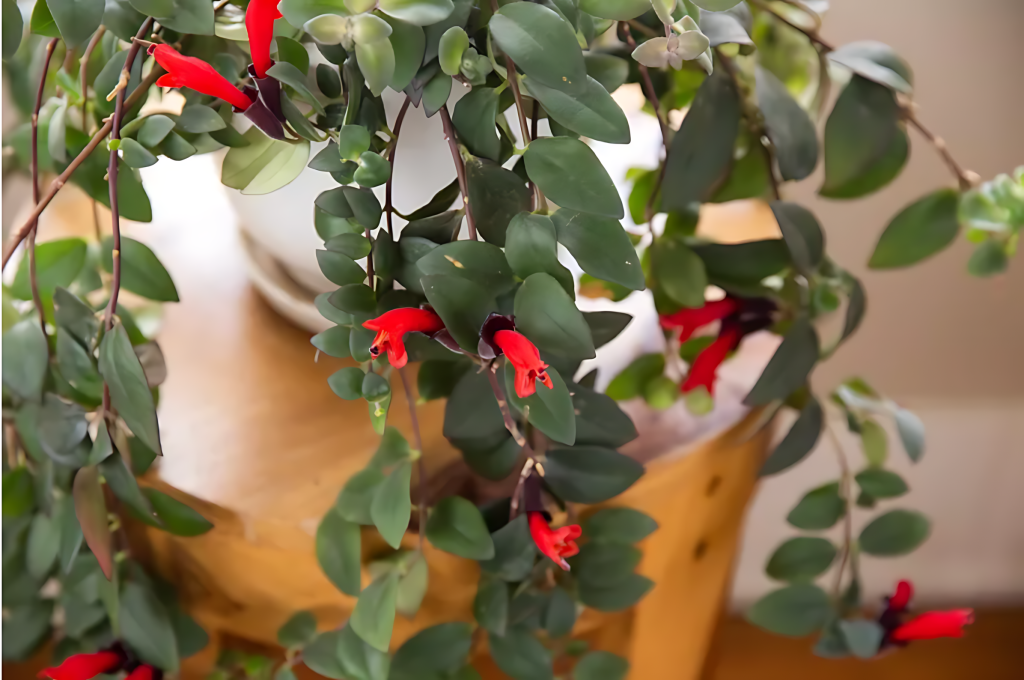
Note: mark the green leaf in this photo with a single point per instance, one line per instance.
(74, 315)
(618, 525)
(349, 202)
(863, 638)
(146, 628)
(799, 441)
(417, 12)
(605, 326)
(292, 52)
(548, 317)
(496, 195)
(620, 10)
(197, 119)
(42, 546)
(570, 174)
(591, 112)
(191, 16)
(456, 526)
(856, 306)
(436, 93)
(408, 43)
(702, 150)
(881, 483)
(439, 203)
(599, 420)
(895, 533)
(154, 129)
(559, 614)
(135, 155)
(18, 492)
(819, 509)
(462, 304)
(865, 145)
(339, 269)
(58, 263)
(129, 391)
(377, 63)
(391, 506)
(744, 263)
(922, 229)
(490, 606)
(76, 19)
(176, 148)
(328, 81)
(875, 61)
(347, 383)
(519, 654)
(334, 342)
(436, 379)
(622, 595)
(609, 70)
(374, 615)
(590, 474)
(295, 79)
(141, 271)
(28, 624)
(531, 248)
(451, 46)
(550, 410)
(25, 359)
(789, 127)
(789, 366)
(630, 383)
(600, 246)
(338, 552)
(91, 510)
(911, 431)
(177, 517)
(13, 27)
(542, 45)
(514, 552)
(434, 652)
(679, 271)
(874, 441)
(604, 564)
(412, 588)
(802, 235)
(472, 411)
(801, 559)
(474, 118)
(599, 665)
(356, 496)
(482, 263)
(373, 170)
(988, 259)
(795, 610)
(122, 483)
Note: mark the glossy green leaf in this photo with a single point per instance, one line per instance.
(338, 552)
(631, 381)
(436, 93)
(618, 525)
(391, 507)
(604, 564)
(490, 606)
(25, 359)
(548, 317)
(141, 271)
(472, 411)
(911, 431)
(135, 155)
(146, 628)
(434, 652)
(514, 552)
(875, 61)
(295, 79)
(42, 546)
(177, 517)
(609, 70)
(600, 246)
(620, 10)
(58, 263)
(377, 63)
(881, 483)
(795, 610)
(482, 263)
(599, 420)
(496, 196)
(129, 391)
(874, 442)
(339, 269)
(76, 19)
(417, 12)
(456, 526)
(799, 441)
(614, 598)
(702, 150)
(895, 533)
(679, 271)
(347, 383)
(374, 615)
(789, 127)
(789, 366)
(462, 304)
(542, 45)
(373, 170)
(802, 235)
(412, 588)
(18, 492)
(519, 654)
(863, 638)
(591, 112)
(451, 46)
(819, 509)
(474, 118)
(744, 263)
(333, 342)
(531, 248)
(154, 129)
(922, 229)
(590, 474)
(600, 665)
(191, 16)
(988, 259)
(297, 631)
(570, 174)
(13, 27)
(801, 559)
(550, 410)
(197, 119)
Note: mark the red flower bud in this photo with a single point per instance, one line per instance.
(259, 24)
(555, 543)
(523, 355)
(689, 320)
(900, 600)
(85, 666)
(392, 326)
(931, 625)
(704, 370)
(195, 73)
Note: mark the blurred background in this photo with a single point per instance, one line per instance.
(937, 341)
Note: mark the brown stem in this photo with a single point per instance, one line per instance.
(506, 413)
(22, 232)
(646, 30)
(812, 34)
(460, 168)
(648, 84)
(389, 207)
(846, 492)
(524, 474)
(83, 68)
(421, 466)
(37, 299)
(967, 178)
(513, 80)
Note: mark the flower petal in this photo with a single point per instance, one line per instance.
(653, 53)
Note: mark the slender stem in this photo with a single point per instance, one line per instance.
(534, 119)
(648, 84)
(22, 232)
(83, 72)
(809, 32)
(421, 466)
(389, 207)
(510, 423)
(646, 30)
(460, 168)
(846, 492)
(967, 178)
(517, 493)
(37, 299)
(513, 81)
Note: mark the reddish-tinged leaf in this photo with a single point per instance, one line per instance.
(91, 510)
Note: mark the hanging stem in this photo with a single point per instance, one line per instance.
(648, 84)
(460, 168)
(517, 493)
(510, 423)
(846, 493)
(83, 72)
(389, 207)
(811, 33)
(22, 232)
(421, 466)
(37, 299)
(967, 178)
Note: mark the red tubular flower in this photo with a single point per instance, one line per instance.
(259, 24)
(143, 672)
(195, 73)
(85, 666)
(392, 326)
(931, 625)
(689, 320)
(555, 543)
(900, 600)
(704, 370)
(523, 355)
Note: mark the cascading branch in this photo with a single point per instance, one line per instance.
(476, 293)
